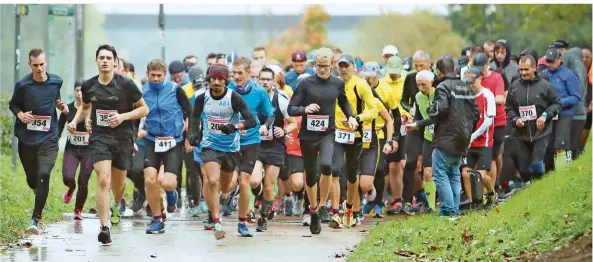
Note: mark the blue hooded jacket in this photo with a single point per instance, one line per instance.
(567, 87)
(291, 77)
(165, 116)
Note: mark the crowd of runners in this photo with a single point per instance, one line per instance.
(329, 137)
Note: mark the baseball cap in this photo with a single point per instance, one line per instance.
(559, 43)
(408, 64)
(394, 65)
(390, 50)
(275, 68)
(346, 58)
(176, 67)
(299, 56)
(479, 61)
(196, 73)
(552, 55)
(466, 51)
(188, 65)
(542, 61)
(471, 74)
(463, 61)
(371, 68)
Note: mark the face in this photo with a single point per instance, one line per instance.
(299, 67)
(157, 76)
(77, 93)
(587, 57)
(527, 70)
(421, 64)
(323, 68)
(424, 86)
(335, 61)
(210, 61)
(500, 55)
(266, 80)
(105, 61)
(386, 57)
(177, 78)
(554, 65)
(373, 80)
(346, 70)
(38, 65)
(394, 77)
(221, 60)
(489, 50)
(217, 84)
(259, 56)
(255, 74)
(240, 75)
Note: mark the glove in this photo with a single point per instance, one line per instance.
(228, 129)
(193, 139)
(358, 121)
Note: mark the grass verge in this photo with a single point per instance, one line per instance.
(17, 199)
(547, 214)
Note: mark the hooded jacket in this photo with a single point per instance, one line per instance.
(566, 83)
(539, 93)
(573, 59)
(507, 69)
(455, 112)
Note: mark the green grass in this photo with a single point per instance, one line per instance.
(545, 215)
(16, 199)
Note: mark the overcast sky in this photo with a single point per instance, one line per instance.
(279, 9)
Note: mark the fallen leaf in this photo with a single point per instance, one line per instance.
(363, 230)
(497, 210)
(526, 214)
(434, 248)
(405, 253)
(466, 236)
(505, 222)
(500, 241)
(507, 257)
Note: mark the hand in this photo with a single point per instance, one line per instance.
(263, 130)
(192, 139)
(519, 123)
(188, 147)
(115, 120)
(141, 134)
(395, 147)
(312, 108)
(541, 122)
(278, 132)
(63, 108)
(387, 149)
(411, 127)
(185, 125)
(26, 117)
(72, 127)
(289, 139)
(228, 129)
(88, 125)
(352, 123)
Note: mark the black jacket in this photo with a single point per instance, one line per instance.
(538, 92)
(455, 112)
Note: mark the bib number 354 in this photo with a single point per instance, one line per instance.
(317, 122)
(40, 123)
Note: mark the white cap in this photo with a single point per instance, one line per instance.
(390, 49)
(276, 69)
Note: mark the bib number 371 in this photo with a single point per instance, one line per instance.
(163, 144)
(40, 123)
(317, 122)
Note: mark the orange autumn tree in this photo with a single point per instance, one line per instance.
(309, 35)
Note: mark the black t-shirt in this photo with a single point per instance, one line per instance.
(119, 95)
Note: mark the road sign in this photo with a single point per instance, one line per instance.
(23, 10)
(61, 10)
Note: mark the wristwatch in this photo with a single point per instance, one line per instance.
(545, 114)
(390, 142)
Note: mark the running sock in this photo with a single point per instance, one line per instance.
(265, 209)
(215, 220)
(257, 191)
(313, 209)
(421, 196)
(348, 206)
(157, 217)
(335, 211)
(241, 219)
(430, 188)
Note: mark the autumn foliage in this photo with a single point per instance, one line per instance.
(309, 35)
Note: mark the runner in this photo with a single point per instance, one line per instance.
(33, 103)
(76, 152)
(213, 126)
(258, 101)
(315, 99)
(531, 104)
(113, 100)
(273, 147)
(349, 144)
(260, 54)
(164, 125)
(299, 63)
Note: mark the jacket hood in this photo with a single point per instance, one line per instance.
(538, 77)
(507, 58)
(571, 57)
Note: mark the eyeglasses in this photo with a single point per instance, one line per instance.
(322, 67)
(266, 79)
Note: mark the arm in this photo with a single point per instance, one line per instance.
(439, 108)
(425, 122)
(140, 111)
(511, 108)
(407, 95)
(268, 110)
(499, 90)
(489, 115)
(16, 102)
(554, 105)
(62, 119)
(183, 102)
(389, 124)
(397, 123)
(295, 107)
(195, 122)
(370, 111)
(283, 104)
(343, 101)
(239, 105)
(573, 96)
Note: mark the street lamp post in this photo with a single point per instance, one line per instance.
(162, 28)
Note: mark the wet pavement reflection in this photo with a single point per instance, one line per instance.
(185, 240)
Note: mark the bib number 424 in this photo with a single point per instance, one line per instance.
(317, 122)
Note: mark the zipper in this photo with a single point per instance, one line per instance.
(528, 125)
(159, 111)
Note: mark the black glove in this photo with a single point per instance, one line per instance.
(193, 139)
(228, 129)
(358, 121)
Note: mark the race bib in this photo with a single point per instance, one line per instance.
(430, 129)
(527, 112)
(317, 122)
(344, 136)
(214, 125)
(163, 144)
(103, 116)
(269, 136)
(79, 138)
(367, 136)
(40, 123)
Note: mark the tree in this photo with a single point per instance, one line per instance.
(93, 37)
(419, 30)
(310, 34)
